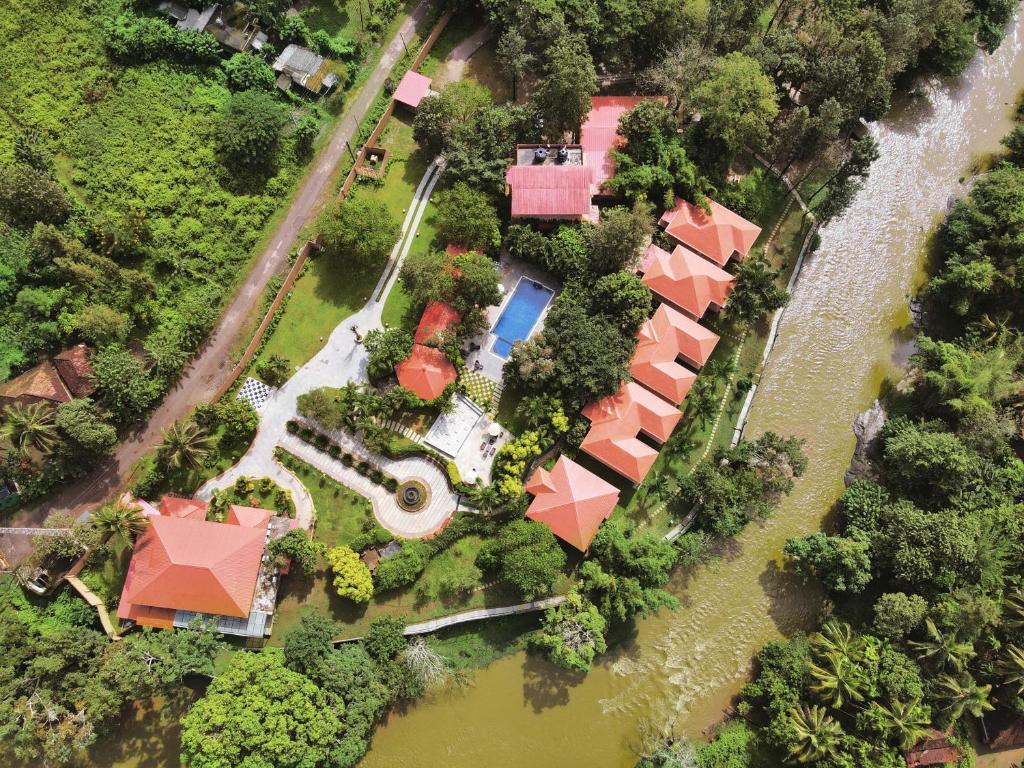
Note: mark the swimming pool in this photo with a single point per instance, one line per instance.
(520, 315)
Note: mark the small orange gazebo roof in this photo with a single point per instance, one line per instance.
(437, 317)
(685, 279)
(248, 517)
(716, 236)
(425, 372)
(664, 338)
(571, 501)
(412, 88)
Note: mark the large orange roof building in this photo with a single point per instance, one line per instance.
(550, 191)
(716, 236)
(571, 501)
(662, 340)
(685, 279)
(616, 422)
(184, 565)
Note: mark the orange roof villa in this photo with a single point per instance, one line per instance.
(184, 566)
(685, 279)
(716, 236)
(616, 423)
(664, 339)
(427, 371)
(571, 501)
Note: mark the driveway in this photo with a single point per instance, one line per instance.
(211, 366)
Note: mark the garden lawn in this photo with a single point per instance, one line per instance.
(341, 516)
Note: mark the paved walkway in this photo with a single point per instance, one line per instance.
(213, 363)
(92, 599)
(341, 360)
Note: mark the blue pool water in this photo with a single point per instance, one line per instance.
(520, 315)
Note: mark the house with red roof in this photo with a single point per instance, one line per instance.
(718, 235)
(933, 749)
(412, 89)
(185, 566)
(559, 192)
(618, 421)
(599, 134)
(685, 280)
(427, 370)
(59, 380)
(662, 342)
(570, 500)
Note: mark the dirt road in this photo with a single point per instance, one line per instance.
(213, 363)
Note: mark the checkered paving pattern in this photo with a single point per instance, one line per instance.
(479, 388)
(256, 392)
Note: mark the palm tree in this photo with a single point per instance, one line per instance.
(838, 680)
(30, 425)
(963, 694)
(121, 519)
(1013, 609)
(836, 637)
(944, 650)
(1011, 666)
(817, 734)
(993, 330)
(486, 497)
(185, 444)
(907, 723)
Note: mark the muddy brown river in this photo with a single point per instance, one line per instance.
(843, 334)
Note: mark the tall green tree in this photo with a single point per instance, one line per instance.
(358, 232)
(250, 128)
(738, 101)
(566, 85)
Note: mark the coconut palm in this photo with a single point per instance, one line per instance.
(838, 680)
(993, 330)
(486, 497)
(836, 637)
(943, 649)
(121, 519)
(1013, 609)
(1011, 666)
(963, 694)
(816, 733)
(30, 425)
(906, 723)
(185, 444)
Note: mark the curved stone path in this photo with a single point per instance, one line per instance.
(340, 361)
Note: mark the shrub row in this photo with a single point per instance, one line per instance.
(323, 443)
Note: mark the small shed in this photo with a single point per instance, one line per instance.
(934, 749)
(306, 68)
(412, 89)
(370, 559)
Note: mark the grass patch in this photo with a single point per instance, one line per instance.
(471, 646)
(396, 306)
(341, 513)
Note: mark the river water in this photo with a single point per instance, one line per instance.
(843, 334)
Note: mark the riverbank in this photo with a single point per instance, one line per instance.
(835, 350)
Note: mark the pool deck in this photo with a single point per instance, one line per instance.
(511, 271)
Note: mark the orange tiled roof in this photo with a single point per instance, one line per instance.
(550, 191)
(425, 372)
(571, 501)
(41, 383)
(618, 419)
(934, 749)
(685, 279)
(73, 366)
(184, 564)
(175, 506)
(599, 134)
(716, 236)
(437, 317)
(248, 517)
(665, 337)
(412, 88)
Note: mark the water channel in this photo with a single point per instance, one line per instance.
(843, 335)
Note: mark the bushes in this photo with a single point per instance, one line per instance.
(250, 128)
(352, 578)
(136, 38)
(404, 568)
(247, 72)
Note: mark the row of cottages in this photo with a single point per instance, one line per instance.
(628, 428)
(60, 379)
(185, 566)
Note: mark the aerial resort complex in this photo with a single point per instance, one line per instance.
(461, 383)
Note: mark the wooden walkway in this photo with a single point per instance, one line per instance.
(477, 614)
(90, 597)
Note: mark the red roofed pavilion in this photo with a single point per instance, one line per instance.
(617, 420)
(550, 191)
(426, 372)
(685, 279)
(716, 236)
(599, 134)
(571, 501)
(183, 564)
(437, 318)
(412, 88)
(662, 340)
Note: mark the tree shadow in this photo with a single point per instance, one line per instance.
(793, 603)
(545, 685)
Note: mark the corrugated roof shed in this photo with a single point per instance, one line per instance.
(412, 89)
(550, 191)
